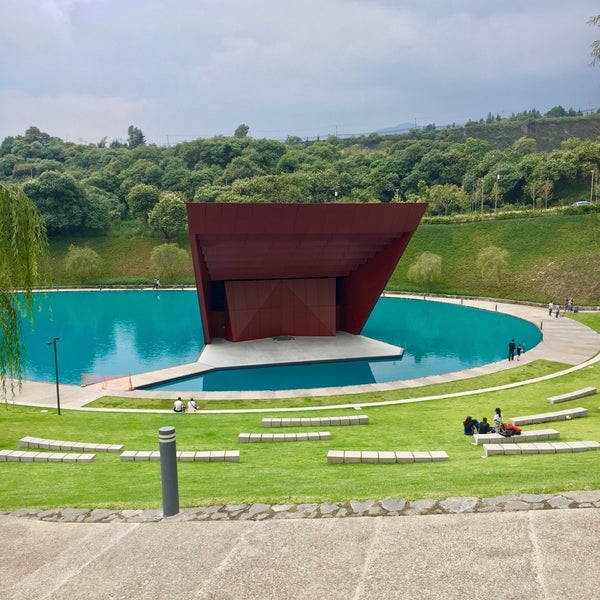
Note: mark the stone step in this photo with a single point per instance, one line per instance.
(383, 457)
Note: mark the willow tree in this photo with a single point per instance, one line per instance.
(23, 261)
(595, 52)
(492, 263)
(426, 269)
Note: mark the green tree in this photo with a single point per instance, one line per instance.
(135, 137)
(170, 262)
(492, 263)
(169, 217)
(425, 270)
(532, 189)
(83, 264)
(241, 131)
(546, 192)
(60, 199)
(141, 199)
(448, 199)
(23, 261)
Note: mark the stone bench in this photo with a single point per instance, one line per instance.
(559, 415)
(381, 457)
(184, 456)
(525, 436)
(588, 391)
(35, 442)
(315, 421)
(26, 456)
(309, 436)
(539, 448)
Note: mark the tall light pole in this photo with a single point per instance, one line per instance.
(592, 189)
(53, 343)
(497, 190)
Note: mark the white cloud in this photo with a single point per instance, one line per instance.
(189, 68)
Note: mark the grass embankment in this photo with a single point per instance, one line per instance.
(297, 472)
(124, 261)
(549, 258)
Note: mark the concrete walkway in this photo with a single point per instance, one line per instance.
(534, 547)
(533, 554)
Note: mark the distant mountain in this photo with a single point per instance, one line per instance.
(400, 128)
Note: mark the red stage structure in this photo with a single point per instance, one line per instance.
(270, 270)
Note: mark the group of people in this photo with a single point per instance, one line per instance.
(512, 348)
(178, 406)
(473, 426)
(568, 306)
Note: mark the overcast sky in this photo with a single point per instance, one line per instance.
(182, 69)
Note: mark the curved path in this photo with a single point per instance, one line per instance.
(564, 341)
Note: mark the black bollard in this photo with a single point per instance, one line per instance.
(168, 471)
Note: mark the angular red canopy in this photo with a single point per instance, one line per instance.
(267, 270)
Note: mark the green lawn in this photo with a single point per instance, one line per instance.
(296, 471)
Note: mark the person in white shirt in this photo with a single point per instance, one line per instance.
(191, 406)
(497, 420)
(178, 405)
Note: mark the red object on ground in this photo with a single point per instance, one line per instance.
(267, 270)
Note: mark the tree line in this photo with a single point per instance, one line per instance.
(81, 188)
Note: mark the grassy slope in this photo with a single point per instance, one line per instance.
(124, 260)
(552, 257)
(549, 257)
(297, 472)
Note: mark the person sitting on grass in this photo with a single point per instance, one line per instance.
(508, 430)
(178, 405)
(471, 426)
(485, 427)
(191, 405)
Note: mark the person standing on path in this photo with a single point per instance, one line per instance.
(557, 311)
(550, 308)
(511, 350)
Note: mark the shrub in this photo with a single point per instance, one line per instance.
(83, 264)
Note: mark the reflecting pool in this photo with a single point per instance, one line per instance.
(110, 333)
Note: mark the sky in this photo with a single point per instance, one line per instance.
(83, 70)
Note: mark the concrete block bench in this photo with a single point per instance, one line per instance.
(35, 442)
(315, 421)
(582, 393)
(539, 448)
(383, 457)
(309, 436)
(183, 456)
(525, 436)
(559, 415)
(27, 456)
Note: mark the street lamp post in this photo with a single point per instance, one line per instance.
(497, 190)
(592, 189)
(53, 343)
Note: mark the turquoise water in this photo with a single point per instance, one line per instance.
(121, 332)
(112, 333)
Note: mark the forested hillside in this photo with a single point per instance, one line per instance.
(108, 207)
(482, 168)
